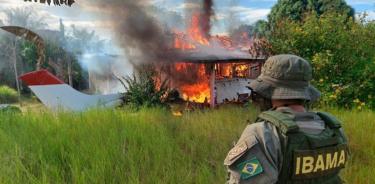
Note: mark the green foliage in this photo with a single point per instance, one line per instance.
(342, 53)
(261, 28)
(295, 9)
(147, 146)
(142, 90)
(10, 109)
(8, 95)
(29, 54)
(61, 49)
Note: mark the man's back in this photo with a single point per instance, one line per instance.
(266, 152)
(287, 144)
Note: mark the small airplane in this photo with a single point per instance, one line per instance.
(57, 95)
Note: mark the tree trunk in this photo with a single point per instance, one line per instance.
(15, 69)
(70, 78)
(212, 86)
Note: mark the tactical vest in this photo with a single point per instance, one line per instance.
(309, 158)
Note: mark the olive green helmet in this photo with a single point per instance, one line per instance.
(286, 77)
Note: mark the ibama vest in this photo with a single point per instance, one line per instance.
(309, 158)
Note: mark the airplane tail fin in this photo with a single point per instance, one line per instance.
(55, 94)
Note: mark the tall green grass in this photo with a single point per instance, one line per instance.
(149, 146)
(360, 130)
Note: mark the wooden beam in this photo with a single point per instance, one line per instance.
(212, 86)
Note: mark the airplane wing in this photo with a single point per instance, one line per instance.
(56, 95)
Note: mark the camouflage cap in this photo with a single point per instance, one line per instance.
(286, 77)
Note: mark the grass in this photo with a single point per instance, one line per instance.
(149, 146)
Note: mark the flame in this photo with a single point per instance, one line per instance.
(177, 113)
(242, 70)
(195, 31)
(225, 70)
(180, 43)
(195, 36)
(199, 93)
(199, 90)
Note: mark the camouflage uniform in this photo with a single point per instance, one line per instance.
(263, 154)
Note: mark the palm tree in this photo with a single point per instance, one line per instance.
(23, 17)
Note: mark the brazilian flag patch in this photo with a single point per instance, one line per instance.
(250, 168)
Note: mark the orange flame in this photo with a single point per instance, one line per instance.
(199, 91)
(242, 70)
(195, 31)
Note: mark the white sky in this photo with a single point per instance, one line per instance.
(247, 11)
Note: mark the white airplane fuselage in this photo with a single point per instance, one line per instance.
(57, 95)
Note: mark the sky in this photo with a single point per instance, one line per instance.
(226, 12)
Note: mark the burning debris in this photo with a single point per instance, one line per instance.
(205, 61)
(193, 61)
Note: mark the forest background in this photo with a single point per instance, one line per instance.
(339, 44)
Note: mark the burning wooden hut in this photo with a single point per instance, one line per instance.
(213, 69)
(216, 78)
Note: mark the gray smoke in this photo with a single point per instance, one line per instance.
(145, 39)
(137, 32)
(207, 14)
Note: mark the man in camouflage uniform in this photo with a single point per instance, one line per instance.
(287, 144)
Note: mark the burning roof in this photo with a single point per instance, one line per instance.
(217, 55)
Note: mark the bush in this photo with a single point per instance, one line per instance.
(8, 95)
(341, 51)
(145, 89)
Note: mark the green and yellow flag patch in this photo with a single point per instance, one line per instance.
(250, 168)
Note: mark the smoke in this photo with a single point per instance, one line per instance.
(207, 14)
(205, 11)
(233, 21)
(138, 33)
(146, 39)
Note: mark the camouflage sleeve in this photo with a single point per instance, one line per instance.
(256, 158)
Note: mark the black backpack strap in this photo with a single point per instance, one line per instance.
(284, 122)
(331, 121)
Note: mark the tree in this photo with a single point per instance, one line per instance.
(22, 56)
(83, 40)
(24, 17)
(10, 45)
(295, 9)
(261, 28)
(341, 51)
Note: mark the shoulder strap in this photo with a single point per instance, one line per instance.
(331, 121)
(285, 122)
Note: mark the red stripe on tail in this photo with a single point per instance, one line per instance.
(41, 77)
